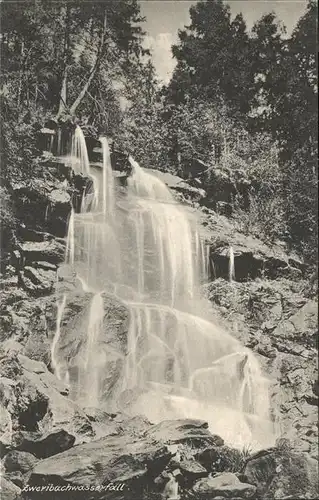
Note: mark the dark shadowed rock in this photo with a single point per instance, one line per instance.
(184, 431)
(221, 459)
(38, 407)
(43, 445)
(21, 461)
(51, 251)
(17, 478)
(122, 459)
(192, 470)
(283, 474)
(225, 485)
(37, 281)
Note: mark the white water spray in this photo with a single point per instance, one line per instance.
(108, 179)
(231, 265)
(79, 153)
(70, 243)
(55, 360)
(177, 362)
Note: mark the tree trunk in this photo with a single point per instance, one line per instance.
(93, 71)
(63, 91)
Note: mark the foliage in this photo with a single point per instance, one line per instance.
(239, 101)
(262, 85)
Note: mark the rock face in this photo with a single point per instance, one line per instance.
(252, 258)
(43, 420)
(282, 474)
(184, 431)
(74, 331)
(179, 185)
(278, 322)
(221, 459)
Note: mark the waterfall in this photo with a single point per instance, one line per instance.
(56, 365)
(70, 250)
(231, 264)
(79, 153)
(178, 363)
(89, 377)
(108, 180)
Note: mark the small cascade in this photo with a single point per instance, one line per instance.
(166, 243)
(231, 265)
(89, 376)
(146, 248)
(70, 243)
(171, 489)
(187, 365)
(56, 365)
(108, 180)
(79, 153)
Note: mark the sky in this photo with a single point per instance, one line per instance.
(165, 17)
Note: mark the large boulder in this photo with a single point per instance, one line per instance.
(225, 485)
(38, 209)
(21, 461)
(50, 250)
(71, 348)
(37, 282)
(190, 192)
(187, 431)
(43, 420)
(43, 444)
(122, 460)
(222, 459)
(281, 474)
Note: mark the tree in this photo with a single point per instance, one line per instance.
(213, 57)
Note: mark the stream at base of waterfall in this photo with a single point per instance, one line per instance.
(146, 249)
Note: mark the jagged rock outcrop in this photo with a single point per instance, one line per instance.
(280, 474)
(221, 459)
(253, 258)
(193, 193)
(43, 421)
(279, 323)
(184, 431)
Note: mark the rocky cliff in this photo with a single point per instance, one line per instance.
(49, 441)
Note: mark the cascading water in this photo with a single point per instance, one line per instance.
(79, 154)
(146, 248)
(108, 180)
(231, 264)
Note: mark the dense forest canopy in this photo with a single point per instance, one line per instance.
(237, 99)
